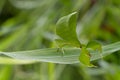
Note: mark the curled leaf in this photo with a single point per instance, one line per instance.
(84, 57)
(66, 29)
(95, 45)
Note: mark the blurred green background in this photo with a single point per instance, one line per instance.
(30, 24)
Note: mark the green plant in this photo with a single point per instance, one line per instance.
(66, 30)
(27, 31)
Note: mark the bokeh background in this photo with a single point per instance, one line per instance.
(30, 24)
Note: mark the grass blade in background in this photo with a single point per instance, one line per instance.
(6, 72)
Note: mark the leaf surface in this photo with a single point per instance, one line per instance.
(66, 29)
(71, 55)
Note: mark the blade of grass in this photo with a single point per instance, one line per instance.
(6, 60)
(51, 55)
(6, 73)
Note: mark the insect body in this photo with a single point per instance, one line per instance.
(66, 30)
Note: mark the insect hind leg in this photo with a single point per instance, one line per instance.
(61, 50)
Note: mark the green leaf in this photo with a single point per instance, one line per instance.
(6, 72)
(85, 57)
(66, 29)
(51, 55)
(95, 45)
(7, 60)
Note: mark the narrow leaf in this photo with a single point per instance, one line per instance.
(71, 55)
(6, 73)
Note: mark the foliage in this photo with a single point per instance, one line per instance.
(27, 36)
